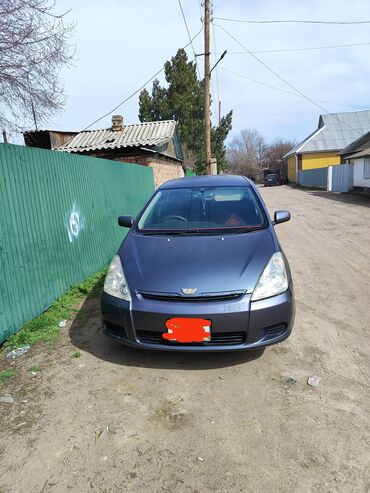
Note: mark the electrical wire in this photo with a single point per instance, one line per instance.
(297, 49)
(291, 21)
(200, 10)
(124, 101)
(191, 41)
(284, 90)
(282, 78)
(216, 70)
(137, 90)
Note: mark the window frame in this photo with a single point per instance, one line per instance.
(366, 172)
(221, 230)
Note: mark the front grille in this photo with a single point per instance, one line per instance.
(191, 299)
(274, 331)
(217, 338)
(115, 330)
(228, 337)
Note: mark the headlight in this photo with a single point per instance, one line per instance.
(115, 282)
(273, 279)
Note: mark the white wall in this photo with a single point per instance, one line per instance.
(360, 164)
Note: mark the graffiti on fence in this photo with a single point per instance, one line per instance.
(74, 223)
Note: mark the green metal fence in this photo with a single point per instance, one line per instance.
(58, 224)
(190, 172)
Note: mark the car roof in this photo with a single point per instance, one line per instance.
(207, 181)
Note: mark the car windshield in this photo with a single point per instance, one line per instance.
(203, 209)
(271, 176)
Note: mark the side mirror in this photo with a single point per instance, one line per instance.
(281, 217)
(126, 221)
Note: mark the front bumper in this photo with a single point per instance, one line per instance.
(236, 324)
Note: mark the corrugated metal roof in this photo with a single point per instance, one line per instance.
(364, 153)
(334, 132)
(45, 130)
(141, 134)
(359, 144)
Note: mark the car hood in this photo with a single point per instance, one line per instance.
(212, 264)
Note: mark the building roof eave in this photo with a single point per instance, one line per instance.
(363, 153)
(298, 147)
(155, 151)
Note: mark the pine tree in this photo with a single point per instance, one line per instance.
(182, 100)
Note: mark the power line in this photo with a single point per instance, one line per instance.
(137, 90)
(131, 95)
(291, 21)
(283, 90)
(191, 41)
(216, 68)
(282, 78)
(200, 10)
(124, 101)
(268, 68)
(297, 49)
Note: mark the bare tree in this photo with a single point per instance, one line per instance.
(273, 157)
(246, 153)
(34, 46)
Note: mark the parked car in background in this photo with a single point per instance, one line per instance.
(271, 180)
(201, 269)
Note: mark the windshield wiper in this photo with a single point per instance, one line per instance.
(199, 232)
(163, 232)
(246, 230)
(184, 232)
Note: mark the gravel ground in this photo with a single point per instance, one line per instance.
(116, 419)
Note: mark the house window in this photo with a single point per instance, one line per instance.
(367, 168)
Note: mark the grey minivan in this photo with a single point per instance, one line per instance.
(201, 269)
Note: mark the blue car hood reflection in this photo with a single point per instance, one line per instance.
(166, 264)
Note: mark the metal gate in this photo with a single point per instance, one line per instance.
(313, 177)
(340, 178)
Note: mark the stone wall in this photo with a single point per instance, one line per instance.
(164, 169)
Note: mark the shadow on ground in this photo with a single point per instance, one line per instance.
(86, 334)
(359, 199)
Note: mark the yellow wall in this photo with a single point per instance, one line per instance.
(292, 171)
(319, 160)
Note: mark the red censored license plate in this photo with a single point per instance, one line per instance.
(188, 330)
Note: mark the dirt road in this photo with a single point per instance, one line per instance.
(117, 420)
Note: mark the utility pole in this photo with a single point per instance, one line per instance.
(207, 85)
(5, 137)
(34, 115)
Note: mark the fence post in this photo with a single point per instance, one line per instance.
(330, 179)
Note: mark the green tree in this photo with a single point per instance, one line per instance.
(218, 136)
(182, 100)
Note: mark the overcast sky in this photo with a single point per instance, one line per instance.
(121, 43)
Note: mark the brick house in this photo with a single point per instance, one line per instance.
(154, 144)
